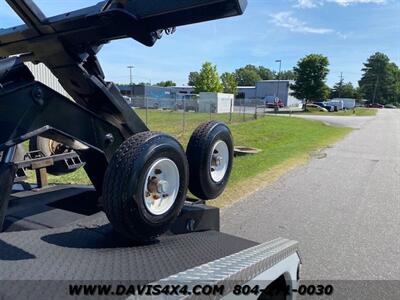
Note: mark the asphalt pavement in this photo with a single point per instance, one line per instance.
(341, 121)
(344, 209)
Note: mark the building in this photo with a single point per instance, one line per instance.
(170, 97)
(181, 91)
(155, 91)
(247, 92)
(158, 97)
(269, 90)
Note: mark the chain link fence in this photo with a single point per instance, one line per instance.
(181, 116)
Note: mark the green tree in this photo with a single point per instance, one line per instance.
(343, 90)
(286, 75)
(193, 76)
(247, 76)
(311, 72)
(358, 95)
(123, 85)
(379, 80)
(229, 83)
(144, 83)
(167, 83)
(208, 79)
(394, 96)
(265, 73)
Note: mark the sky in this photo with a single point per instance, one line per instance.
(346, 31)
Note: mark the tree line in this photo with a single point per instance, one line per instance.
(208, 78)
(380, 81)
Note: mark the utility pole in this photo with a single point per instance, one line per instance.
(279, 77)
(341, 85)
(130, 81)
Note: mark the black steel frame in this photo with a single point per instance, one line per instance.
(99, 119)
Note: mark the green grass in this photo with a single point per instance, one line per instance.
(77, 177)
(280, 138)
(358, 112)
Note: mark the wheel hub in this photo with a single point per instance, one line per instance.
(56, 148)
(219, 161)
(162, 186)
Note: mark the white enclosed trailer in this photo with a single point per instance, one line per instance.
(338, 103)
(348, 103)
(219, 103)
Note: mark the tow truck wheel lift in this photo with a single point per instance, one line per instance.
(140, 178)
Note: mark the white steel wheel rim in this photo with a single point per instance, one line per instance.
(161, 186)
(219, 161)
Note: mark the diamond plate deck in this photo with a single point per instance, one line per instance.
(90, 250)
(41, 264)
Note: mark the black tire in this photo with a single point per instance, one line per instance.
(43, 144)
(204, 138)
(123, 189)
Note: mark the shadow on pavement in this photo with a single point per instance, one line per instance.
(103, 237)
(12, 253)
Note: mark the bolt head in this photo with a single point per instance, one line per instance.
(218, 160)
(109, 138)
(38, 95)
(162, 187)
